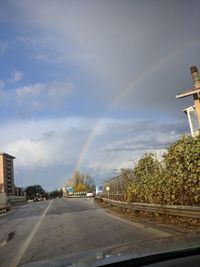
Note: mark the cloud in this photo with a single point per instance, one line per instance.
(16, 75)
(52, 90)
(115, 50)
(2, 84)
(45, 145)
(137, 52)
(121, 143)
(3, 47)
(133, 134)
(113, 43)
(45, 142)
(2, 92)
(57, 143)
(39, 96)
(142, 142)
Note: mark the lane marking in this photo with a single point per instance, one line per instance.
(26, 244)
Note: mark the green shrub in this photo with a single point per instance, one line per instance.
(182, 161)
(178, 183)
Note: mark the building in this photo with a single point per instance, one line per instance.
(19, 191)
(7, 174)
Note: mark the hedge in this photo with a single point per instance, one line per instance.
(175, 181)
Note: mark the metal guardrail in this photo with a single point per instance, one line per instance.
(4, 209)
(16, 200)
(4, 205)
(80, 193)
(7, 201)
(176, 210)
(114, 196)
(76, 195)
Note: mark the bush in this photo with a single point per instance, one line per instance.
(182, 161)
(178, 183)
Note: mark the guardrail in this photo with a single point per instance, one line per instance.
(4, 209)
(4, 206)
(176, 210)
(76, 195)
(16, 200)
(80, 193)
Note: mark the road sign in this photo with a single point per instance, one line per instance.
(69, 190)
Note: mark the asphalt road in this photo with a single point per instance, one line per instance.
(42, 230)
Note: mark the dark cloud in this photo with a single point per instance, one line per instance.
(146, 46)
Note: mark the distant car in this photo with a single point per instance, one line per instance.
(36, 200)
(90, 194)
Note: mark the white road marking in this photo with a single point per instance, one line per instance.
(24, 247)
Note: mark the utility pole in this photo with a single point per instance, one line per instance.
(195, 92)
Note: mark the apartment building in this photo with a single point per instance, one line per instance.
(7, 174)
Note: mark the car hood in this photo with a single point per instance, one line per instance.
(117, 253)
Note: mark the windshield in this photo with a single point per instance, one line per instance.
(99, 126)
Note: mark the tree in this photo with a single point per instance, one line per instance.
(56, 193)
(34, 191)
(146, 166)
(89, 182)
(81, 182)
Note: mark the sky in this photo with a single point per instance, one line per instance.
(91, 85)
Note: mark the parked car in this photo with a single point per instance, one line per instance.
(90, 194)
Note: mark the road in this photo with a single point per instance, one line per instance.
(42, 230)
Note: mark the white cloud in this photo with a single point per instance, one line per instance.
(56, 144)
(45, 152)
(45, 142)
(31, 90)
(2, 84)
(16, 75)
(144, 141)
(52, 89)
(2, 92)
(3, 47)
(38, 96)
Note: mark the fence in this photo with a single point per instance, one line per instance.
(115, 188)
(80, 193)
(76, 194)
(16, 200)
(176, 210)
(4, 206)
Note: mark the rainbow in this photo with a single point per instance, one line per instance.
(125, 92)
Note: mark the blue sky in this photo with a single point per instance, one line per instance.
(66, 65)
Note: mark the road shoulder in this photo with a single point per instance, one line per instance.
(149, 220)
